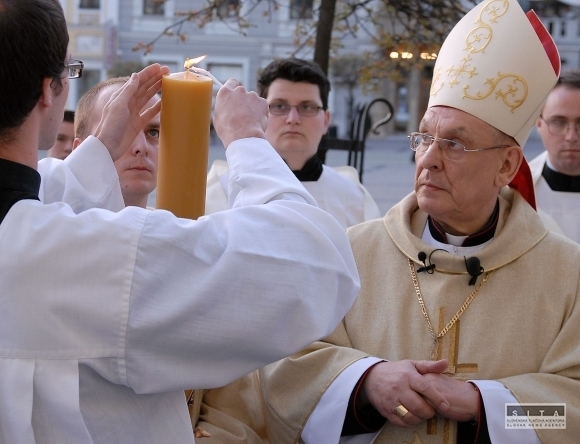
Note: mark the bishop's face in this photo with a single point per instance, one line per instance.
(460, 194)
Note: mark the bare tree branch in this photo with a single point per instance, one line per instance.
(394, 25)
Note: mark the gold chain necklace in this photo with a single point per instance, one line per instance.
(453, 320)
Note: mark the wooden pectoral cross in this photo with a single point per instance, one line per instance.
(454, 368)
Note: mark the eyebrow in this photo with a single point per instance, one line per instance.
(459, 132)
(309, 101)
(561, 117)
(453, 132)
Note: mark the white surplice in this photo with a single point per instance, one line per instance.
(85, 179)
(563, 207)
(338, 191)
(106, 317)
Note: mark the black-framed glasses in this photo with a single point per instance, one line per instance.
(75, 68)
(560, 127)
(304, 109)
(450, 149)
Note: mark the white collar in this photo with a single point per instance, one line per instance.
(453, 249)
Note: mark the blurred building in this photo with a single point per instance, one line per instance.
(104, 33)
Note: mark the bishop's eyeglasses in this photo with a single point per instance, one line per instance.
(304, 109)
(449, 149)
(75, 68)
(560, 127)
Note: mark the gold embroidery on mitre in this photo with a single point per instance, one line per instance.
(416, 439)
(436, 77)
(463, 68)
(509, 91)
(480, 36)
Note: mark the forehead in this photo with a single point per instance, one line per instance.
(104, 96)
(156, 119)
(99, 104)
(442, 120)
(282, 89)
(66, 127)
(564, 101)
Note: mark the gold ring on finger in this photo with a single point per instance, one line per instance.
(401, 410)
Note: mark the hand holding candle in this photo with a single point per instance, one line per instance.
(239, 113)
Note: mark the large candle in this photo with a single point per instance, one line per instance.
(184, 143)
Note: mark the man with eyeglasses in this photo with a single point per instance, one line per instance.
(297, 94)
(106, 317)
(462, 273)
(65, 137)
(556, 172)
(69, 181)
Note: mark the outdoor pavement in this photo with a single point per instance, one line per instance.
(388, 172)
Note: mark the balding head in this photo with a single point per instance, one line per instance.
(137, 168)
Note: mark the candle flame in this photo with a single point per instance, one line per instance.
(190, 62)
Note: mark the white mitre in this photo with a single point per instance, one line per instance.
(499, 65)
(494, 66)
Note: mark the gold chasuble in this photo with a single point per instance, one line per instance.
(520, 327)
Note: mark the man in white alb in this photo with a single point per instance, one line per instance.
(556, 172)
(107, 317)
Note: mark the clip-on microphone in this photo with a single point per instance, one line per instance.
(474, 269)
(428, 268)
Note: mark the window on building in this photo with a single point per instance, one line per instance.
(153, 7)
(228, 8)
(90, 4)
(563, 28)
(301, 9)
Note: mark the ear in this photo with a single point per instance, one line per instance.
(47, 94)
(326, 120)
(511, 158)
(76, 143)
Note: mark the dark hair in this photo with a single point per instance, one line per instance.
(33, 44)
(294, 70)
(69, 116)
(87, 102)
(569, 79)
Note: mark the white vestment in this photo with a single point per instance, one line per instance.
(107, 317)
(338, 191)
(563, 207)
(85, 179)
